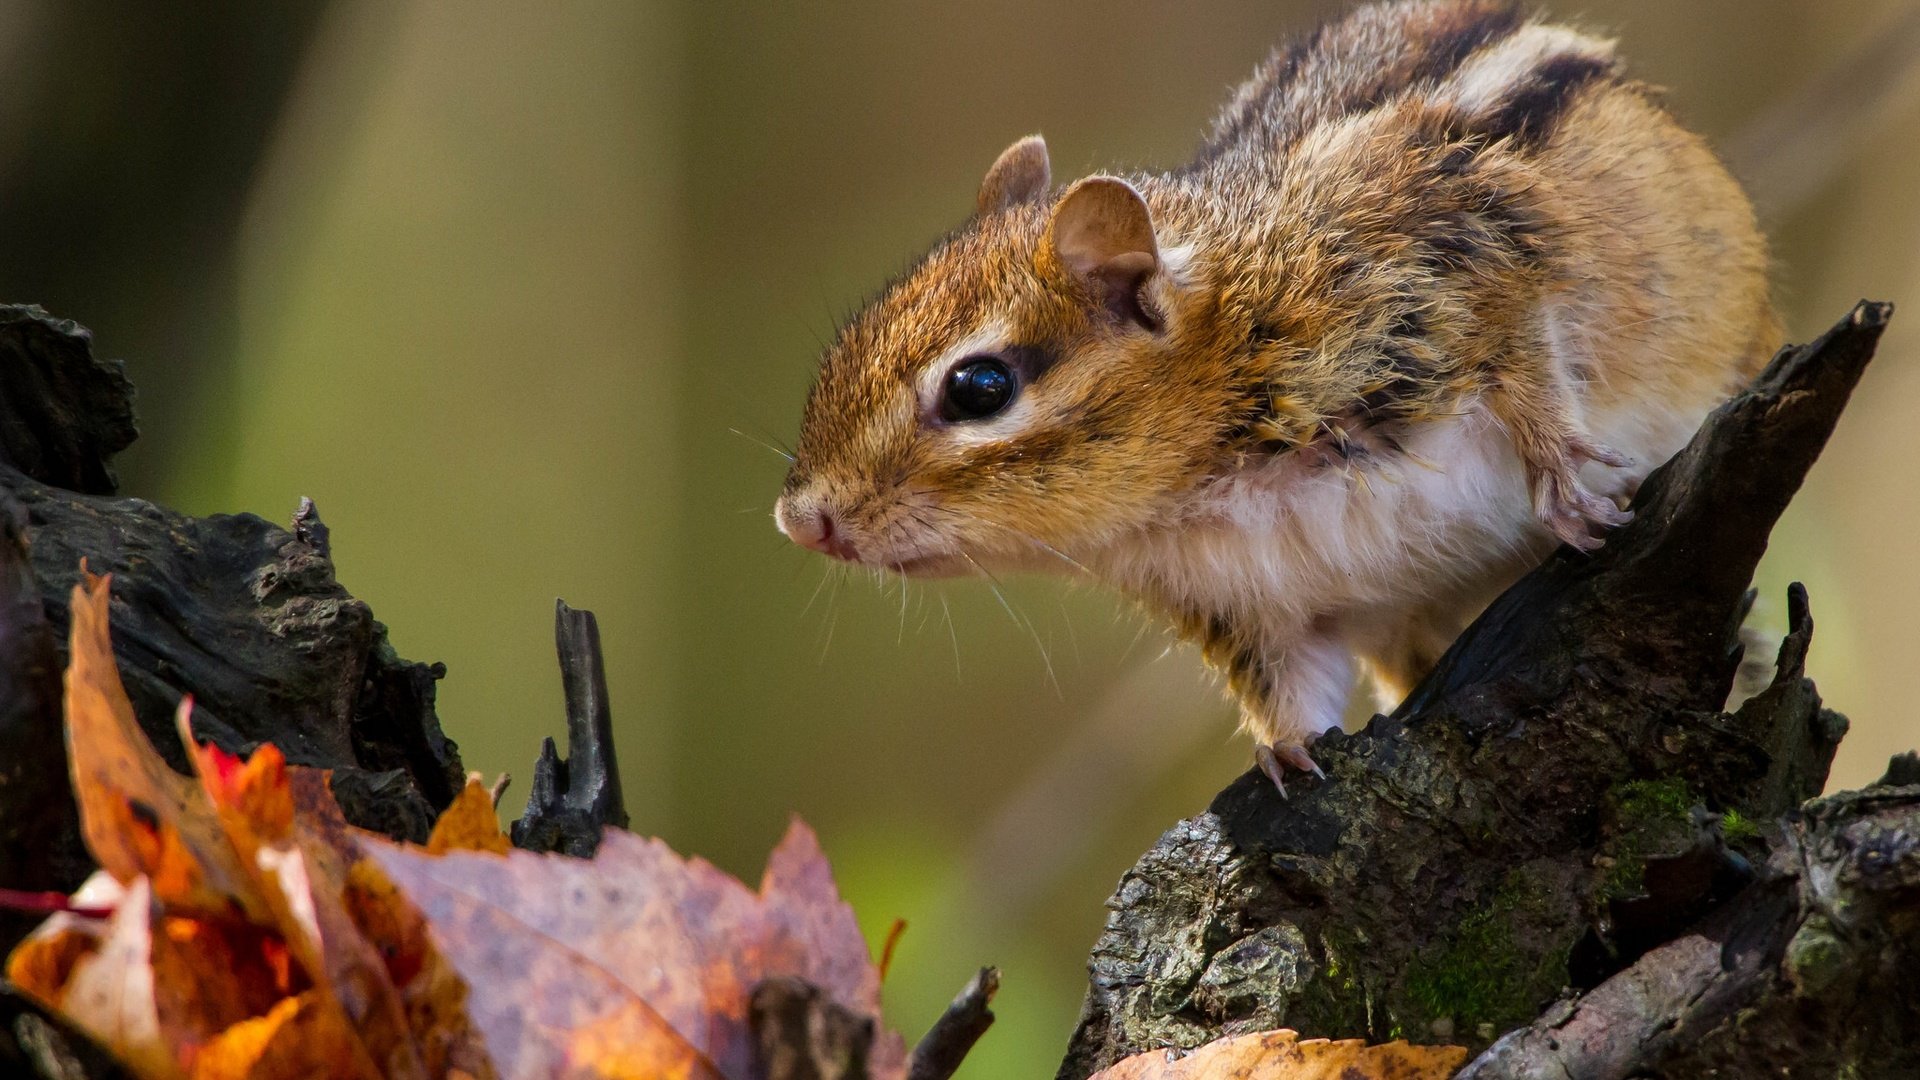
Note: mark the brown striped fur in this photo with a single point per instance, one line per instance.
(1441, 287)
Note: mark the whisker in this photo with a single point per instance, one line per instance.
(1073, 639)
(824, 576)
(999, 594)
(833, 620)
(763, 443)
(954, 635)
(1044, 546)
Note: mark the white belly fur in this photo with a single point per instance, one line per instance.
(1319, 556)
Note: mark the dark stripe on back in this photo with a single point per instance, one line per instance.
(1530, 112)
(1435, 50)
(1279, 70)
(1351, 66)
(1463, 32)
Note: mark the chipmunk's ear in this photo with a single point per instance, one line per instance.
(1020, 174)
(1102, 235)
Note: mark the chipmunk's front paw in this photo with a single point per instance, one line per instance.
(1581, 450)
(1276, 760)
(1576, 516)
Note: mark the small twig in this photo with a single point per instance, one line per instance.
(499, 788)
(945, 1046)
(898, 928)
(573, 799)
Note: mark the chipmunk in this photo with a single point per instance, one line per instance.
(1440, 289)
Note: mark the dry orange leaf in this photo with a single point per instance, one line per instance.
(229, 902)
(252, 933)
(434, 997)
(637, 962)
(1283, 1055)
(301, 874)
(469, 823)
(252, 797)
(139, 817)
(96, 973)
(299, 1038)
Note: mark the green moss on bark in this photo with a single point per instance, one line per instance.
(1737, 827)
(1646, 818)
(1494, 968)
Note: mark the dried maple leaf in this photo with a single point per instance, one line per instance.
(638, 962)
(139, 817)
(154, 988)
(248, 931)
(1283, 1055)
(97, 973)
(231, 932)
(299, 1038)
(301, 874)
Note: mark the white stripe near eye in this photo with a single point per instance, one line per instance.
(930, 385)
(931, 382)
(1011, 422)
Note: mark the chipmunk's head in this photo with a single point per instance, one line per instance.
(1015, 397)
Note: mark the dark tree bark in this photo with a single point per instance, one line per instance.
(1561, 796)
(1809, 972)
(1558, 851)
(574, 798)
(40, 846)
(242, 614)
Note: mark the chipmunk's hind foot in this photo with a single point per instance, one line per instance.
(1274, 761)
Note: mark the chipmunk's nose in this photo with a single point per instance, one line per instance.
(813, 526)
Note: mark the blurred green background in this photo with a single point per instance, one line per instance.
(517, 292)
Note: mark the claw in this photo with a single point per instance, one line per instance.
(1296, 756)
(1264, 757)
(1572, 513)
(1276, 760)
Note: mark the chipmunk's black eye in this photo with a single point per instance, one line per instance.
(977, 388)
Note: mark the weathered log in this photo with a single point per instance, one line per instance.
(66, 413)
(242, 614)
(1559, 795)
(40, 846)
(1814, 970)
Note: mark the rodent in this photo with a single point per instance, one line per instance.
(1440, 289)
